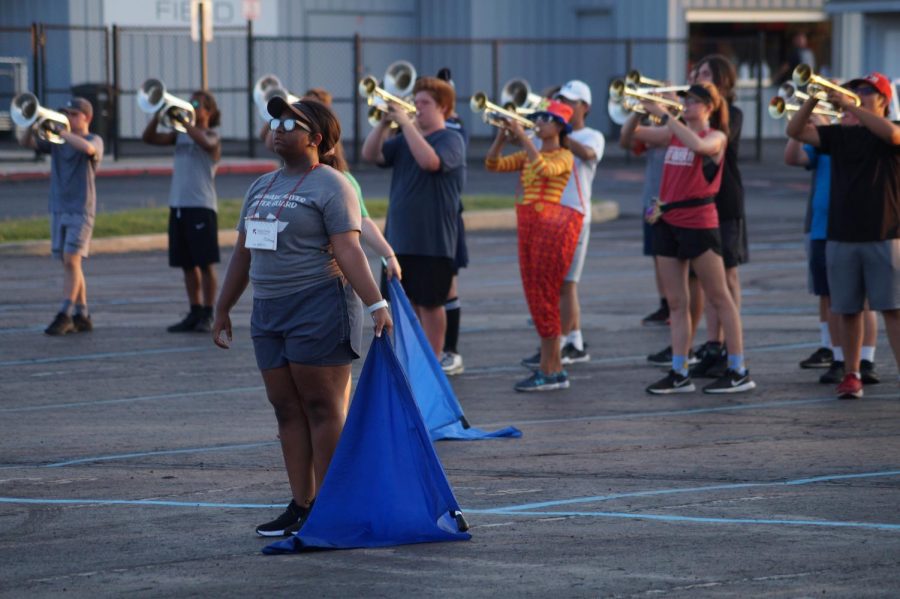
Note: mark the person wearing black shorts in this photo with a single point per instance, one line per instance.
(428, 162)
(193, 225)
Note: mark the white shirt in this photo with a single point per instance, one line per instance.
(585, 170)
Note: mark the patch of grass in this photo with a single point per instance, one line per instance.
(147, 221)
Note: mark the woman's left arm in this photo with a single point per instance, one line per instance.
(352, 261)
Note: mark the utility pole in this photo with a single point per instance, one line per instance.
(201, 31)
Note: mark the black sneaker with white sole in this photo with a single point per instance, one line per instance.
(712, 355)
(673, 382)
(532, 362)
(573, 355)
(835, 373)
(289, 522)
(731, 382)
(821, 358)
(867, 373)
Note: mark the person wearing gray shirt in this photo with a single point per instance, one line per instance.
(72, 205)
(193, 224)
(298, 244)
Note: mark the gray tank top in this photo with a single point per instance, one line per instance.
(193, 176)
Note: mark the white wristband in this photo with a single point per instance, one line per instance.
(377, 306)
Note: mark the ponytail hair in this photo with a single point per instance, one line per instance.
(324, 122)
(724, 74)
(718, 118)
(209, 102)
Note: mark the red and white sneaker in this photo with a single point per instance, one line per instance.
(851, 387)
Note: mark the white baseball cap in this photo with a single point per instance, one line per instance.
(576, 90)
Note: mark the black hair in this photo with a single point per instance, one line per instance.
(323, 121)
(209, 101)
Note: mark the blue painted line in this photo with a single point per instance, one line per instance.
(143, 352)
(658, 492)
(142, 454)
(699, 519)
(82, 404)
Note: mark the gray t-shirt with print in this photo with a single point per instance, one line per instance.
(324, 204)
(193, 176)
(72, 188)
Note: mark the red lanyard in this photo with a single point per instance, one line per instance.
(284, 201)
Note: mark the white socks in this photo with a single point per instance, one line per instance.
(868, 353)
(575, 339)
(838, 354)
(824, 335)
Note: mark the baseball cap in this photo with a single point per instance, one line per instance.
(881, 83)
(81, 105)
(699, 92)
(575, 90)
(560, 112)
(277, 105)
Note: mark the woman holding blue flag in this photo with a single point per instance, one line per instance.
(298, 243)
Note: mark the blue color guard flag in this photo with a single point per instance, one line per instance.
(385, 485)
(443, 415)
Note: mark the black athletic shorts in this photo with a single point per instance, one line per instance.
(426, 279)
(734, 242)
(461, 260)
(682, 243)
(193, 237)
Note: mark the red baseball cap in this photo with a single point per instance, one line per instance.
(881, 84)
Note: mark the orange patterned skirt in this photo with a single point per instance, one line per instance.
(548, 233)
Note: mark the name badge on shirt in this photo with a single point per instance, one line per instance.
(261, 234)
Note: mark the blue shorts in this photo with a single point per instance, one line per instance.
(321, 326)
(817, 282)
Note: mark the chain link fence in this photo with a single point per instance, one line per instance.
(108, 65)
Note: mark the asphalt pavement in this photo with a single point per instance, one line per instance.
(137, 462)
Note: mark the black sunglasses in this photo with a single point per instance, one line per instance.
(288, 125)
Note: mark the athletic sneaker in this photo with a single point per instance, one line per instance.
(731, 382)
(834, 375)
(82, 323)
(61, 325)
(658, 318)
(867, 373)
(204, 324)
(573, 355)
(452, 363)
(850, 388)
(672, 383)
(538, 381)
(664, 357)
(532, 362)
(821, 358)
(187, 324)
(287, 523)
(713, 361)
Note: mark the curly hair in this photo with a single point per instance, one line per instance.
(209, 102)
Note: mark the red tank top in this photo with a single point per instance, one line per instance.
(683, 179)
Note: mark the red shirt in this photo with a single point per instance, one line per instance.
(683, 179)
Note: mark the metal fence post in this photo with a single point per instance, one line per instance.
(495, 68)
(357, 75)
(629, 54)
(115, 91)
(760, 57)
(251, 146)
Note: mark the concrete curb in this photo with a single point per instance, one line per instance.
(476, 220)
(238, 168)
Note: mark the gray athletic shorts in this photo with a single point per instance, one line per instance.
(574, 274)
(321, 326)
(70, 233)
(866, 270)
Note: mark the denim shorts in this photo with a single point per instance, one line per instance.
(320, 326)
(70, 234)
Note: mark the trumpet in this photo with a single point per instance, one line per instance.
(174, 112)
(399, 81)
(635, 78)
(619, 90)
(517, 96)
(816, 85)
(266, 88)
(495, 115)
(779, 108)
(27, 112)
(620, 110)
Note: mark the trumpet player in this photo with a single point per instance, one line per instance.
(73, 202)
(862, 252)
(547, 230)
(686, 232)
(428, 162)
(193, 223)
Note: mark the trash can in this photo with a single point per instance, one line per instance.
(102, 98)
